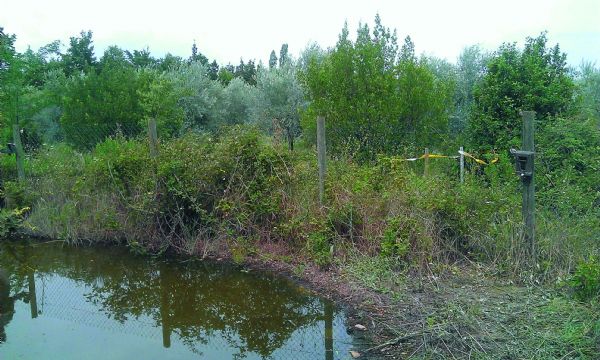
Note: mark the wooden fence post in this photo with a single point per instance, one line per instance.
(426, 166)
(19, 153)
(528, 208)
(153, 137)
(462, 165)
(321, 157)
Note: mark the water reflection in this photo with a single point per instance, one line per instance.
(208, 308)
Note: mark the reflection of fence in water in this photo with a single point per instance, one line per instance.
(66, 299)
(69, 300)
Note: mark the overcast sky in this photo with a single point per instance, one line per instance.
(228, 30)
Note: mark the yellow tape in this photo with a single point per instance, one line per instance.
(439, 156)
(479, 161)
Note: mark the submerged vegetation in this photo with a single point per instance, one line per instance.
(236, 170)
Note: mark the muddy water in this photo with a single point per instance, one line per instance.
(105, 303)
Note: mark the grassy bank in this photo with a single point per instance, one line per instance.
(431, 244)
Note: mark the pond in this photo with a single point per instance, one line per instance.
(60, 302)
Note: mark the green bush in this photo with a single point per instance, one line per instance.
(396, 238)
(585, 282)
(15, 195)
(11, 221)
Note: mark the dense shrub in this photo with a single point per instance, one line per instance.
(232, 190)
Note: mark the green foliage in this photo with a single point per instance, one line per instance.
(569, 164)
(159, 101)
(588, 89)
(470, 70)
(80, 54)
(280, 100)
(319, 247)
(395, 240)
(7, 53)
(98, 105)
(376, 99)
(536, 78)
(11, 221)
(15, 195)
(198, 96)
(240, 101)
(585, 282)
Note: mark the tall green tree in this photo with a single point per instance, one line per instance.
(103, 103)
(141, 58)
(159, 100)
(283, 55)
(80, 54)
(197, 56)
(535, 78)
(377, 98)
(272, 60)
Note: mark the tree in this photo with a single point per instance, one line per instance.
(170, 62)
(80, 54)
(7, 53)
(240, 101)
(101, 104)
(197, 56)
(246, 71)
(279, 101)
(272, 60)
(213, 70)
(376, 99)
(470, 70)
(536, 78)
(200, 97)
(11, 83)
(588, 89)
(159, 100)
(225, 74)
(141, 58)
(283, 55)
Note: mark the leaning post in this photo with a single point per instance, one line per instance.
(321, 157)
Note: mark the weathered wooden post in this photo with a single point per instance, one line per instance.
(152, 137)
(462, 165)
(426, 166)
(321, 157)
(524, 165)
(19, 153)
(528, 183)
